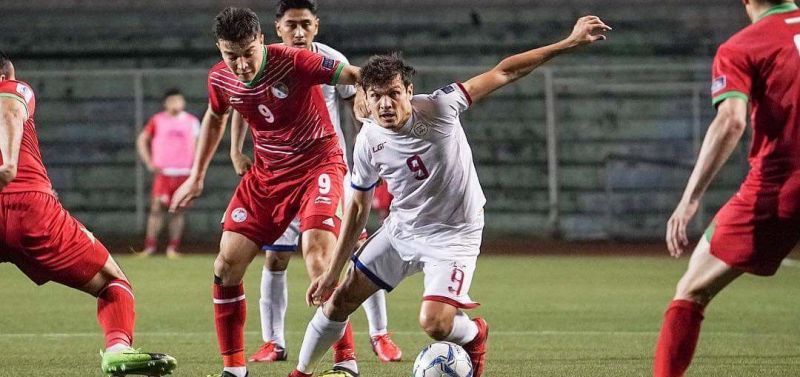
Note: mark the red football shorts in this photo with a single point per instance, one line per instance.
(381, 198)
(758, 227)
(262, 212)
(47, 244)
(164, 186)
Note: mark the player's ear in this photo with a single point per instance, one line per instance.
(260, 38)
(410, 89)
(278, 28)
(316, 26)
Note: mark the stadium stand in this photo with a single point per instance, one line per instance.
(616, 128)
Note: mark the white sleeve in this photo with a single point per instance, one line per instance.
(346, 91)
(448, 102)
(365, 175)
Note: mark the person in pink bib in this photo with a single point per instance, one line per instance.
(166, 147)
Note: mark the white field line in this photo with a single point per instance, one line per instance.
(402, 333)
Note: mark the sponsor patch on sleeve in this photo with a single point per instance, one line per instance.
(328, 64)
(448, 89)
(718, 84)
(25, 92)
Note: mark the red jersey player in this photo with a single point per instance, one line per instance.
(758, 227)
(47, 244)
(298, 168)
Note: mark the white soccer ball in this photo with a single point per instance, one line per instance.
(442, 359)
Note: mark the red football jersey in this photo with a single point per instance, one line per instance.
(283, 106)
(761, 63)
(31, 174)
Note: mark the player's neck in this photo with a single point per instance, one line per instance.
(758, 12)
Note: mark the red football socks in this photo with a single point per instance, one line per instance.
(678, 338)
(345, 348)
(116, 312)
(230, 311)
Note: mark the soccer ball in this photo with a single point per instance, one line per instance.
(335, 373)
(442, 359)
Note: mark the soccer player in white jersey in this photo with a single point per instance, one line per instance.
(296, 23)
(417, 144)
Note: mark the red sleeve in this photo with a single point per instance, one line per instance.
(21, 92)
(218, 102)
(150, 127)
(731, 75)
(320, 69)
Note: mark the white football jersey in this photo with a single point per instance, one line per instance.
(438, 201)
(334, 94)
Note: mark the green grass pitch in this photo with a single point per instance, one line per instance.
(549, 316)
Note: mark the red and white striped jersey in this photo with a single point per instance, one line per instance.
(284, 107)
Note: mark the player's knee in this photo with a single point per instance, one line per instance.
(341, 306)
(437, 327)
(156, 208)
(223, 266)
(277, 261)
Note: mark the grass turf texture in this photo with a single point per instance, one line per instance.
(549, 316)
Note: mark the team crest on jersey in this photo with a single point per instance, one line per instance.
(719, 83)
(239, 215)
(420, 129)
(280, 90)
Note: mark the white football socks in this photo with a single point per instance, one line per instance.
(237, 371)
(464, 330)
(273, 302)
(375, 307)
(321, 333)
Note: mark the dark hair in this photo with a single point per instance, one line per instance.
(382, 69)
(236, 25)
(284, 5)
(171, 92)
(5, 64)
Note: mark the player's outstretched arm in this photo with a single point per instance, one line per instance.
(12, 120)
(723, 134)
(241, 162)
(587, 30)
(211, 130)
(350, 75)
(353, 222)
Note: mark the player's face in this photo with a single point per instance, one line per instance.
(297, 28)
(390, 104)
(174, 104)
(244, 58)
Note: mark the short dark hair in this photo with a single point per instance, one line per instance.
(5, 64)
(171, 92)
(284, 5)
(236, 25)
(382, 69)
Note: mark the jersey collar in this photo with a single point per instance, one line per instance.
(260, 70)
(782, 8)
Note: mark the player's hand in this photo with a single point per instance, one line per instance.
(153, 169)
(241, 163)
(677, 240)
(7, 174)
(190, 189)
(360, 108)
(587, 30)
(321, 289)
